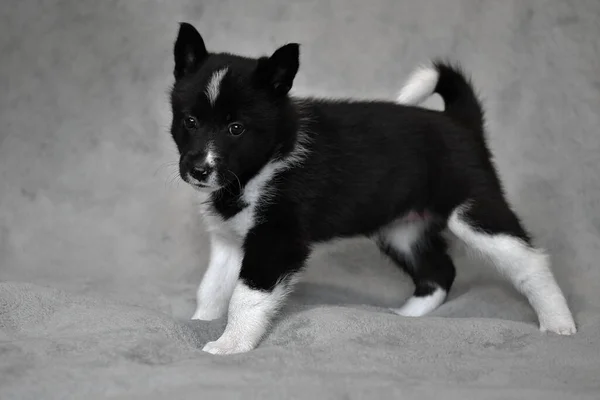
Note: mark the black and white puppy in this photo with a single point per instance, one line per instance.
(280, 175)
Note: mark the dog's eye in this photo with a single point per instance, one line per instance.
(190, 123)
(236, 129)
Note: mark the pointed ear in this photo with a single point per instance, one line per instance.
(189, 51)
(279, 70)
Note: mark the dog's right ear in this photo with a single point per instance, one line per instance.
(189, 51)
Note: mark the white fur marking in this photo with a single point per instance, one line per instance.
(214, 85)
(528, 269)
(211, 155)
(250, 312)
(219, 280)
(213, 221)
(419, 306)
(419, 86)
(404, 235)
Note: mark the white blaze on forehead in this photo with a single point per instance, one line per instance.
(214, 85)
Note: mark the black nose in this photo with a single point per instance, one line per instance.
(200, 172)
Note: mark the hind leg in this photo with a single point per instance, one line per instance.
(492, 229)
(421, 252)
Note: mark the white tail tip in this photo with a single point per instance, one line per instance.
(419, 86)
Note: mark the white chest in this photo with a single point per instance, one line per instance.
(257, 192)
(236, 227)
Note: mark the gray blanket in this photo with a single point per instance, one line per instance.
(101, 249)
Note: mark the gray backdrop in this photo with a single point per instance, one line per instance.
(101, 249)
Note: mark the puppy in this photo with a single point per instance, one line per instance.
(279, 175)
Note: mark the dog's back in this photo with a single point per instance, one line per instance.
(372, 162)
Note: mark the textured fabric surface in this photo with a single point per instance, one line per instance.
(101, 248)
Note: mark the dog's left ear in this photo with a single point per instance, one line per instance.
(279, 70)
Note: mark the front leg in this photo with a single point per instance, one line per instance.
(272, 260)
(220, 278)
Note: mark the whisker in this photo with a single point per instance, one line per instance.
(165, 165)
(172, 178)
(228, 190)
(238, 180)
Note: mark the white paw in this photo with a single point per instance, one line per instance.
(419, 306)
(561, 325)
(227, 346)
(207, 314)
(403, 312)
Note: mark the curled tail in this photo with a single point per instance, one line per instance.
(455, 88)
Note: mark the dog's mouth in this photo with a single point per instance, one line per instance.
(203, 187)
(200, 186)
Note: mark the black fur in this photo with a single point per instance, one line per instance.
(368, 163)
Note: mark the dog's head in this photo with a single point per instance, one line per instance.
(231, 114)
